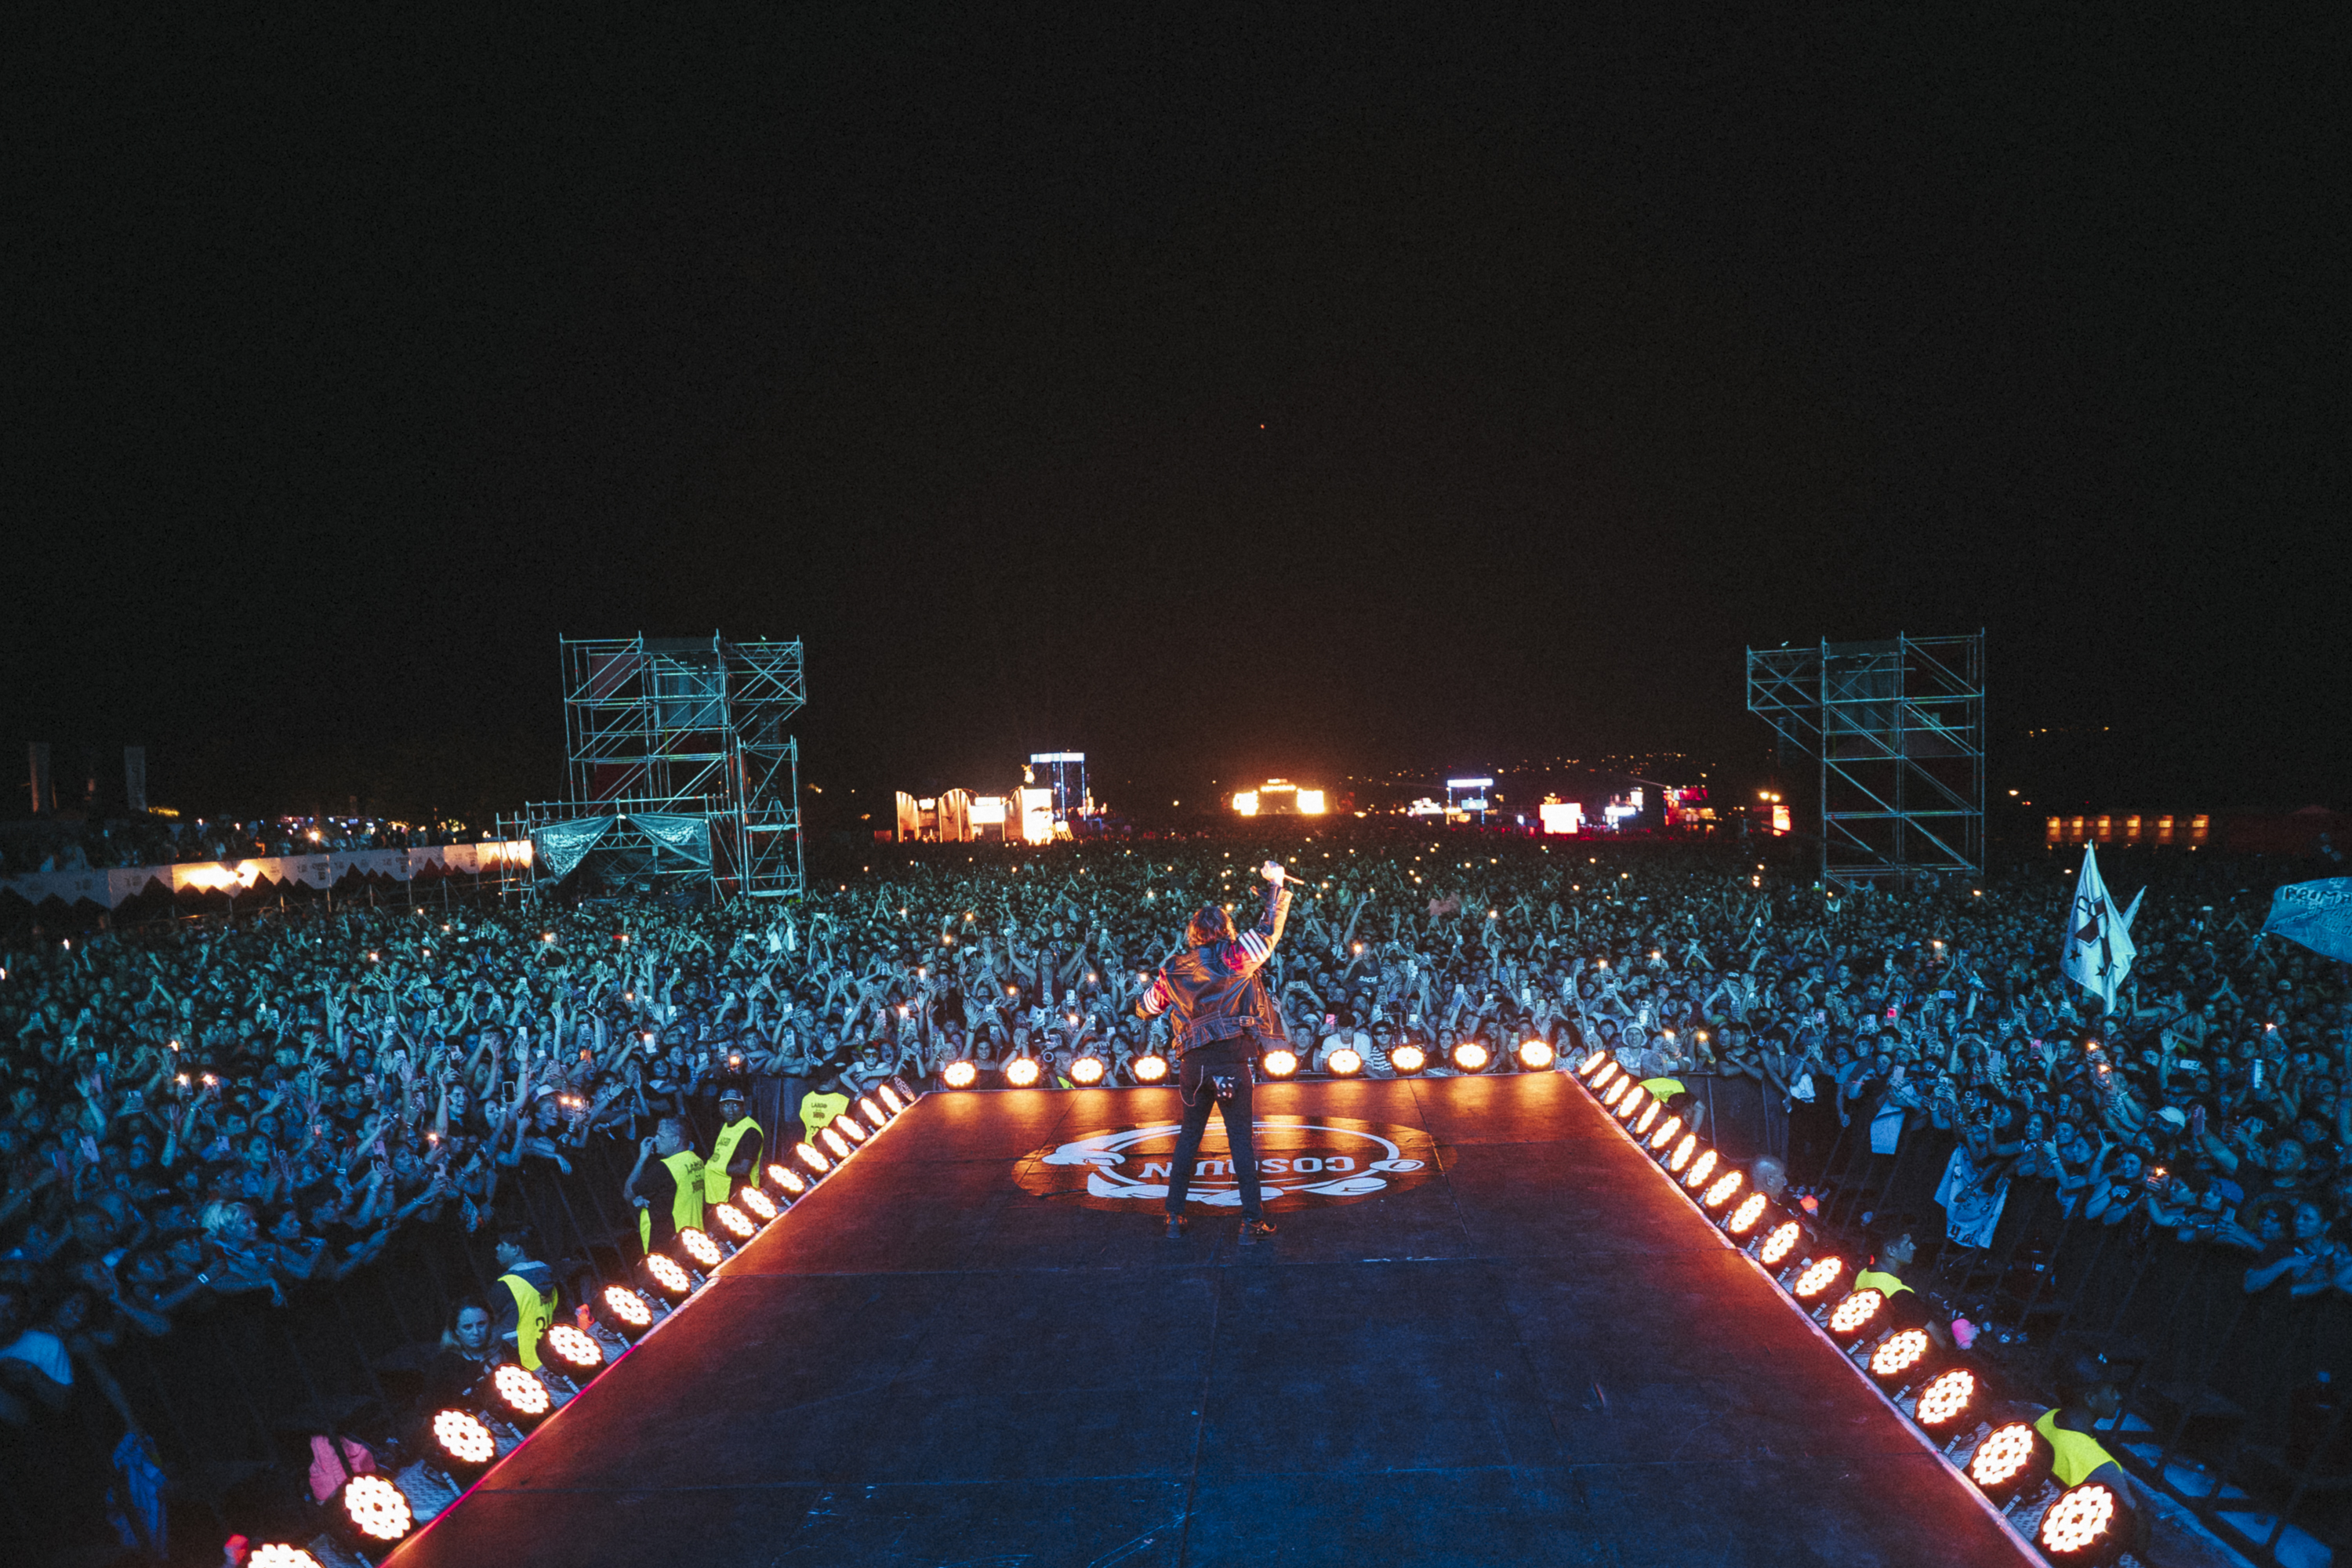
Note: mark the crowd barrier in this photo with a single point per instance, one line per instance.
(233, 1394)
(2210, 1406)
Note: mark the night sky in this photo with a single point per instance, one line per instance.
(1222, 397)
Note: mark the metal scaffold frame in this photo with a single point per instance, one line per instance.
(1897, 730)
(667, 740)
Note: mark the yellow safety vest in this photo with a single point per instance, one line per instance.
(686, 1209)
(2074, 1455)
(717, 1185)
(1663, 1088)
(818, 1109)
(533, 1313)
(1885, 1284)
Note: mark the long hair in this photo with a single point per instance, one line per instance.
(1209, 924)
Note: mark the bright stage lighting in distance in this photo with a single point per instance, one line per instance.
(1665, 1133)
(1535, 1056)
(814, 1158)
(757, 1204)
(1280, 1063)
(1593, 1063)
(871, 1111)
(278, 1554)
(1408, 1061)
(462, 1444)
(1900, 1360)
(1633, 1103)
(1851, 1318)
(851, 1125)
(1471, 1057)
(1746, 1217)
(735, 1222)
(2081, 1526)
(698, 1246)
(785, 1177)
(1021, 1072)
(1701, 1169)
(1615, 1093)
(1343, 1063)
(2011, 1458)
(1721, 1194)
(1780, 1244)
(1150, 1068)
(834, 1141)
(1683, 1153)
(522, 1398)
(891, 1099)
(1087, 1070)
(1649, 1114)
(958, 1075)
(1943, 1401)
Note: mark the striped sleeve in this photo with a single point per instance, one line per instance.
(1155, 1000)
(1256, 945)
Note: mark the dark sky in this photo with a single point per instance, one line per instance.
(1220, 396)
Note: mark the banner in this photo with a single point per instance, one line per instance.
(2098, 951)
(2317, 914)
(561, 845)
(686, 835)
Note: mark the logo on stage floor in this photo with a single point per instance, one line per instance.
(1302, 1162)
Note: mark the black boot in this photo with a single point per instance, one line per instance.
(1253, 1228)
(1175, 1228)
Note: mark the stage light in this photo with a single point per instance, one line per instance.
(2010, 1460)
(1851, 1318)
(1535, 1056)
(462, 1444)
(891, 1099)
(1701, 1169)
(1408, 1061)
(1087, 1070)
(575, 1349)
(376, 1508)
(1471, 1057)
(1593, 1063)
(522, 1398)
(1615, 1093)
(735, 1222)
(874, 1117)
(1665, 1133)
(277, 1554)
(787, 1178)
(757, 1204)
(629, 1313)
(836, 1143)
(1780, 1244)
(1609, 1079)
(1900, 1361)
(1682, 1151)
(1814, 1283)
(958, 1075)
(1721, 1194)
(1943, 1401)
(1649, 1115)
(1280, 1063)
(697, 1245)
(1150, 1068)
(2082, 1526)
(1021, 1072)
(1343, 1063)
(851, 1125)
(808, 1154)
(1746, 1217)
(675, 1282)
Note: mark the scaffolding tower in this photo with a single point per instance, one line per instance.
(679, 767)
(1897, 729)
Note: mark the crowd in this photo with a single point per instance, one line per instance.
(57, 844)
(195, 1113)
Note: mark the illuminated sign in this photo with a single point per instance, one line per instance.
(988, 809)
(1058, 756)
(1561, 817)
(1469, 784)
(1037, 815)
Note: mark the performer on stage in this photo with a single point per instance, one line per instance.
(1223, 1020)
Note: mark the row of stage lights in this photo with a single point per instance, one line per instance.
(2085, 1524)
(370, 1515)
(1469, 1057)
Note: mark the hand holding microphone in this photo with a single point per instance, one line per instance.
(1273, 872)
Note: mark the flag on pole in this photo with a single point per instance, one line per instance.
(2317, 914)
(2098, 950)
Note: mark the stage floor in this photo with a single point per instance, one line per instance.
(1524, 1350)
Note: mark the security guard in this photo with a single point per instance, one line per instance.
(666, 1184)
(1892, 1248)
(735, 1153)
(527, 1302)
(2087, 1395)
(822, 1104)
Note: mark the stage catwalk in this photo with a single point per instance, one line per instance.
(1511, 1345)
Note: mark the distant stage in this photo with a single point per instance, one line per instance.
(1485, 1333)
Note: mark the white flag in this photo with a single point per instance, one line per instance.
(2099, 949)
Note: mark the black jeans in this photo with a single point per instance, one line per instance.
(1231, 1058)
